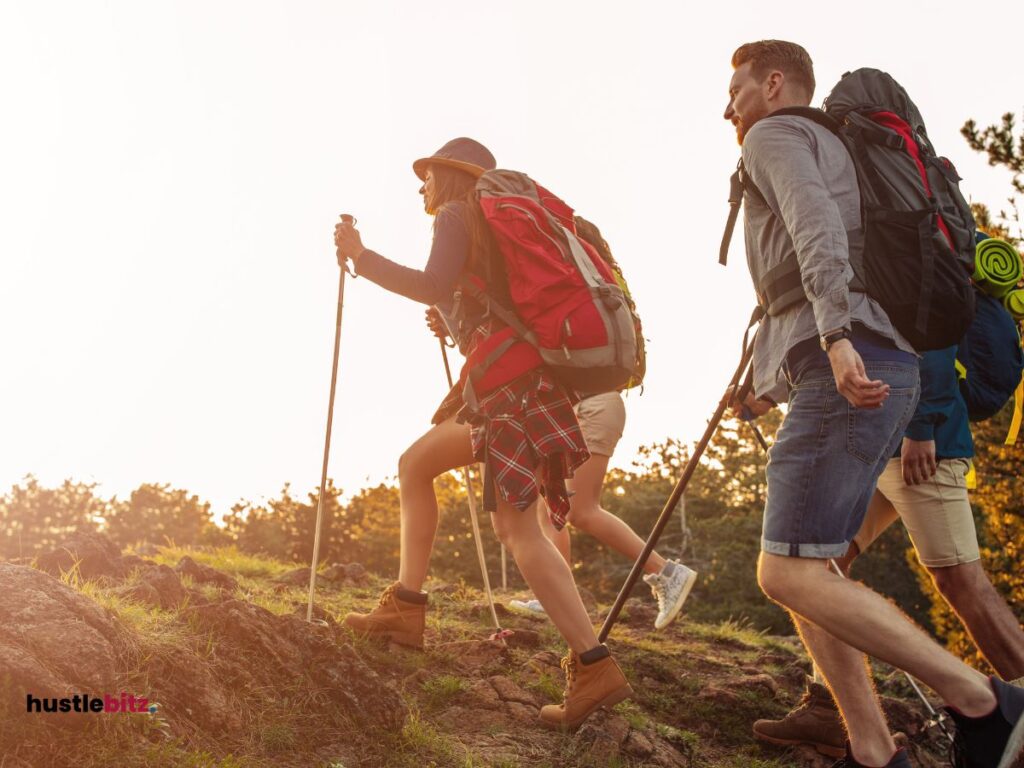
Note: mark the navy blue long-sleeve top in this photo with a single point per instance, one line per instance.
(941, 413)
(435, 283)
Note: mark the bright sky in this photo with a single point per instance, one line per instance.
(172, 173)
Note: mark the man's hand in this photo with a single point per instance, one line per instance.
(347, 242)
(851, 378)
(751, 407)
(436, 323)
(917, 460)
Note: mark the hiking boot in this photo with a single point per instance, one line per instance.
(995, 740)
(898, 760)
(592, 680)
(670, 590)
(531, 607)
(815, 721)
(400, 616)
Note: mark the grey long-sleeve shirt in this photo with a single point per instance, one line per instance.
(810, 205)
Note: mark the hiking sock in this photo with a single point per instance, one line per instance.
(408, 596)
(985, 738)
(668, 569)
(595, 654)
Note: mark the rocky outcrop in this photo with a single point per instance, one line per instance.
(157, 586)
(54, 642)
(88, 553)
(204, 574)
(260, 651)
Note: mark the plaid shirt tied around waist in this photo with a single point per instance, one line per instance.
(527, 437)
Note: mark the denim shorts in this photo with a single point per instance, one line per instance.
(827, 457)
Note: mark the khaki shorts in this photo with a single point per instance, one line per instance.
(937, 514)
(602, 419)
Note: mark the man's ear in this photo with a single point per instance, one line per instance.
(773, 84)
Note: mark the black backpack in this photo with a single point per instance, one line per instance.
(919, 231)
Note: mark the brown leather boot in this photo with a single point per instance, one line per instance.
(399, 616)
(588, 687)
(815, 721)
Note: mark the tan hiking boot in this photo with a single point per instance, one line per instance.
(399, 616)
(816, 721)
(588, 687)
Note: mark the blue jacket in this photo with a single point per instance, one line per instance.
(941, 413)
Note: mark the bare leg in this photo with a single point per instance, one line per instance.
(561, 539)
(985, 614)
(846, 671)
(854, 614)
(969, 592)
(586, 514)
(444, 447)
(546, 573)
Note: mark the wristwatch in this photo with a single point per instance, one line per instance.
(830, 338)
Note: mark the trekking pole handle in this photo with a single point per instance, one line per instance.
(348, 218)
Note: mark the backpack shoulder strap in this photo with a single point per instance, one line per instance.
(823, 119)
(739, 182)
(492, 306)
(735, 201)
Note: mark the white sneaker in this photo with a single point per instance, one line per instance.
(531, 606)
(671, 592)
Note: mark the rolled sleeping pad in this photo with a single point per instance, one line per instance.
(997, 267)
(1014, 303)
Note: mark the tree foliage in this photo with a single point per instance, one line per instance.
(155, 513)
(1003, 148)
(34, 518)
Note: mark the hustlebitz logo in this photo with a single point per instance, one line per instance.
(125, 703)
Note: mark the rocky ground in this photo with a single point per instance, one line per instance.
(218, 643)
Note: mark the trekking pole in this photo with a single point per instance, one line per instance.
(327, 440)
(677, 493)
(937, 719)
(470, 493)
(746, 414)
(760, 437)
(504, 558)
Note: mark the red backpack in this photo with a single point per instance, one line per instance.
(566, 302)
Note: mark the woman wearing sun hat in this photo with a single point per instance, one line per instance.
(524, 425)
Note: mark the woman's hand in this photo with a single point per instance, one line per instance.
(347, 242)
(436, 323)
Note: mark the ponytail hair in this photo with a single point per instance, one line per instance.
(455, 195)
